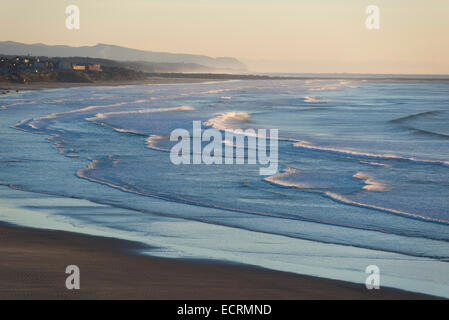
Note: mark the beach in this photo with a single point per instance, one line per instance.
(34, 261)
(87, 171)
(9, 86)
(162, 150)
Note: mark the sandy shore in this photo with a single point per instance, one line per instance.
(6, 86)
(33, 262)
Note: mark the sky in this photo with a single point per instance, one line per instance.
(268, 35)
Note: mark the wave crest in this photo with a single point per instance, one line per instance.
(345, 200)
(141, 111)
(225, 120)
(308, 145)
(312, 99)
(283, 179)
(371, 183)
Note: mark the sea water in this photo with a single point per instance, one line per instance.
(363, 173)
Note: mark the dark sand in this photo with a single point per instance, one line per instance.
(33, 263)
(8, 86)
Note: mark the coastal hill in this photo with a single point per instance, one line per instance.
(27, 69)
(118, 53)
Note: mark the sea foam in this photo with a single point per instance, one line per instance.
(224, 120)
(140, 111)
(309, 145)
(284, 179)
(371, 184)
(345, 200)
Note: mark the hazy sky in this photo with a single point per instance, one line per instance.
(269, 35)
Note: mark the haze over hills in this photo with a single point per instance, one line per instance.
(113, 52)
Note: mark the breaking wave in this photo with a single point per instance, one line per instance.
(142, 111)
(308, 145)
(371, 184)
(345, 200)
(282, 179)
(416, 116)
(153, 140)
(225, 120)
(312, 99)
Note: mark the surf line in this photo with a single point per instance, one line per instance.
(255, 142)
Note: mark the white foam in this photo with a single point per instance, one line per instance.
(312, 99)
(86, 109)
(224, 120)
(374, 163)
(371, 183)
(330, 86)
(346, 200)
(152, 142)
(282, 179)
(141, 111)
(308, 145)
(126, 131)
(213, 91)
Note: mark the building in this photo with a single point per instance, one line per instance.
(64, 65)
(39, 65)
(94, 67)
(79, 67)
(4, 68)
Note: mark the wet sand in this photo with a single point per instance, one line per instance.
(12, 87)
(33, 263)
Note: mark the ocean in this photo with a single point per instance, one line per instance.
(363, 173)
